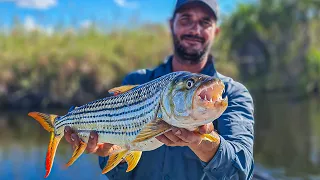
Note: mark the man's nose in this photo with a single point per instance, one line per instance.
(195, 29)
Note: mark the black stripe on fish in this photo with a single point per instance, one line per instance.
(72, 117)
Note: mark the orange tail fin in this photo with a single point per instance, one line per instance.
(47, 122)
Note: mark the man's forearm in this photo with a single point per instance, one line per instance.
(206, 149)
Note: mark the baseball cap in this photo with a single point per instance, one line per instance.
(211, 4)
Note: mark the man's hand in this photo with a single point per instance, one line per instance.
(205, 150)
(92, 147)
(183, 137)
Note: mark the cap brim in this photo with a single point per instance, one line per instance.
(196, 2)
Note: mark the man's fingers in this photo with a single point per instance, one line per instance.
(106, 149)
(92, 143)
(165, 140)
(172, 137)
(187, 136)
(75, 140)
(206, 129)
(67, 134)
(183, 134)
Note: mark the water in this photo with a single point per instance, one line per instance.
(287, 136)
(287, 143)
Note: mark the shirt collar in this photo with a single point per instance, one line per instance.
(166, 67)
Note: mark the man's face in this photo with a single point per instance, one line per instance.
(193, 30)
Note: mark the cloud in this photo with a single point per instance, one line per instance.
(86, 24)
(126, 4)
(31, 25)
(34, 4)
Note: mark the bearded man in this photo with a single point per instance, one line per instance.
(184, 155)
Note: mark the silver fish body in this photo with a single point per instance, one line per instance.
(134, 117)
(119, 119)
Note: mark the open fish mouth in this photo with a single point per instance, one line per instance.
(209, 94)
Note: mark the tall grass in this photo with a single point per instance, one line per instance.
(73, 67)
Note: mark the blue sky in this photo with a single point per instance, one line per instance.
(47, 13)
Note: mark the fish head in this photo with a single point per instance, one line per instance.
(192, 100)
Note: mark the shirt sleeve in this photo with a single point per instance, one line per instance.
(119, 172)
(234, 157)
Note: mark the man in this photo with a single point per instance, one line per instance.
(184, 155)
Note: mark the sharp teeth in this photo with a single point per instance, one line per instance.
(211, 99)
(205, 97)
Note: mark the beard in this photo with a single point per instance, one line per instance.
(187, 57)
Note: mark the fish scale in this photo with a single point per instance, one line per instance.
(134, 109)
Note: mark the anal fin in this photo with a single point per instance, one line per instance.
(77, 153)
(132, 159)
(114, 160)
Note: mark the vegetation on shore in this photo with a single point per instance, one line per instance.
(269, 46)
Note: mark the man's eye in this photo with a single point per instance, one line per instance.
(184, 21)
(206, 23)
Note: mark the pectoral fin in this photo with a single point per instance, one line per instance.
(122, 89)
(152, 129)
(132, 159)
(114, 160)
(209, 137)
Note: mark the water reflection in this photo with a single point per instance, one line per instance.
(287, 143)
(23, 149)
(288, 135)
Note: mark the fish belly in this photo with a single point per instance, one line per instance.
(148, 145)
(120, 140)
(124, 142)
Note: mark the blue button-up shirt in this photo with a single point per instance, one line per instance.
(234, 157)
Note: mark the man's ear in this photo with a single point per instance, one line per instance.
(171, 23)
(217, 31)
(171, 20)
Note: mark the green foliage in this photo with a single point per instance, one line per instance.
(271, 42)
(269, 45)
(75, 67)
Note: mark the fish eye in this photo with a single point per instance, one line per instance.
(190, 83)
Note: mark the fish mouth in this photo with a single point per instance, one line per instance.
(209, 94)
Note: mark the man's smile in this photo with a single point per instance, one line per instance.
(193, 41)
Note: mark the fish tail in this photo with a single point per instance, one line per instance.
(47, 122)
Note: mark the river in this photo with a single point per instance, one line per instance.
(287, 143)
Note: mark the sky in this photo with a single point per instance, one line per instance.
(46, 14)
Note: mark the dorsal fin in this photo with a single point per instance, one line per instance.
(121, 89)
(72, 108)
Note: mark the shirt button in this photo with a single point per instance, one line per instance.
(166, 177)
